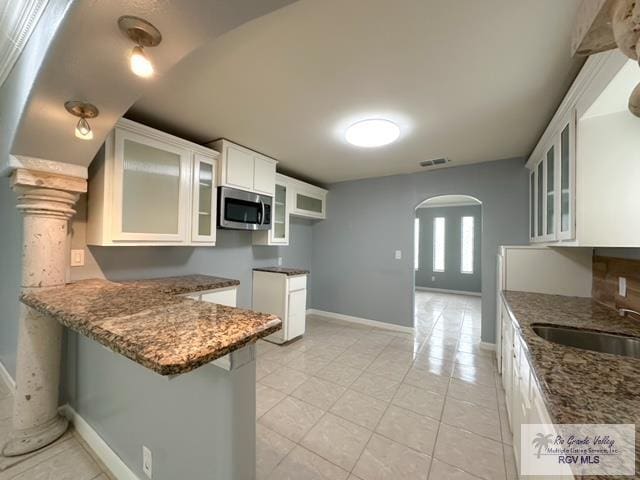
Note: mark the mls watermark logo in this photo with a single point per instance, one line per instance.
(577, 449)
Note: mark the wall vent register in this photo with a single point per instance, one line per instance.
(433, 163)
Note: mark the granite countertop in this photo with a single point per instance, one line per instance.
(579, 386)
(147, 322)
(185, 284)
(290, 272)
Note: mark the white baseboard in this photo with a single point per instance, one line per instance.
(487, 346)
(444, 290)
(110, 459)
(361, 321)
(6, 378)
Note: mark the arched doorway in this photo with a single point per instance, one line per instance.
(447, 263)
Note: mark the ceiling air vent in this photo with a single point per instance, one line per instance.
(431, 163)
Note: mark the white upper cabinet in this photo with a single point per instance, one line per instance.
(203, 221)
(585, 170)
(292, 197)
(279, 232)
(566, 183)
(238, 168)
(245, 169)
(264, 175)
(307, 200)
(150, 188)
(149, 175)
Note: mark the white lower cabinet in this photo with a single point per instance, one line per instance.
(524, 401)
(284, 296)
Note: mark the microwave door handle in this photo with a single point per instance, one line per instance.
(261, 213)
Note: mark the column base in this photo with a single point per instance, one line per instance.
(26, 441)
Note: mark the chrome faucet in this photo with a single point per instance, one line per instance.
(623, 311)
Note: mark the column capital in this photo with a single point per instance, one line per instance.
(46, 194)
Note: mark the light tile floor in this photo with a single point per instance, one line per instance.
(353, 402)
(67, 459)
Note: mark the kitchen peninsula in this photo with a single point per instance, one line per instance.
(149, 323)
(159, 389)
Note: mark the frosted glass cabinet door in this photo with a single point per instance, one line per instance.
(532, 205)
(540, 199)
(567, 179)
(204, 200)
(280, 229)
(150, 189)
(550, 200)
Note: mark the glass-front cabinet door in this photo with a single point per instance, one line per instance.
(203, 226)
(539, 200)
(280, 228)
(150, 176)
(566, 183)
(532, 205)
(550, 191)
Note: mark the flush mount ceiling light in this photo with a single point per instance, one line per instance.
(374, 132)
(83, 110)
(143, 34)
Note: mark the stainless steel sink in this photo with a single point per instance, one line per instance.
(588, 340)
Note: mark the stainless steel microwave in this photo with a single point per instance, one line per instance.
(241, 210)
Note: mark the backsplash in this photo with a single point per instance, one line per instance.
(606, 271)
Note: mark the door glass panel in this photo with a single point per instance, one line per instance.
(205, 188)
(565, 198)
(150, 189)
(309, 204)
(279, 220)
(550, 191)
(236, 210)
(540, 196)
(532, 200)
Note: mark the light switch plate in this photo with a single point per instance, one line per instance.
(279, 261)
(147, 466)
(622, 286)
(398, 254)
(77, 258)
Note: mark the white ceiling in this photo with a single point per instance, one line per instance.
(449, 201)
(78, 53)
(468, 80)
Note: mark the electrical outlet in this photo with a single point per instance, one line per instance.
(279, 261)
(433, 278)
(398, 254)
(77, 258)
(147, 462)
(622, 286)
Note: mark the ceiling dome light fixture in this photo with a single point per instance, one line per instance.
(374, 132)
(83, 110)
(143, 34)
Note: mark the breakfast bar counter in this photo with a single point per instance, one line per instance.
(149, 322)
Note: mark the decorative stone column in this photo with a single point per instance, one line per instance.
(46, 201)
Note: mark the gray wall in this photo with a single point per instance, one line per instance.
(452, 278)
(354, 270)
(234, 256)
(10, 273)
